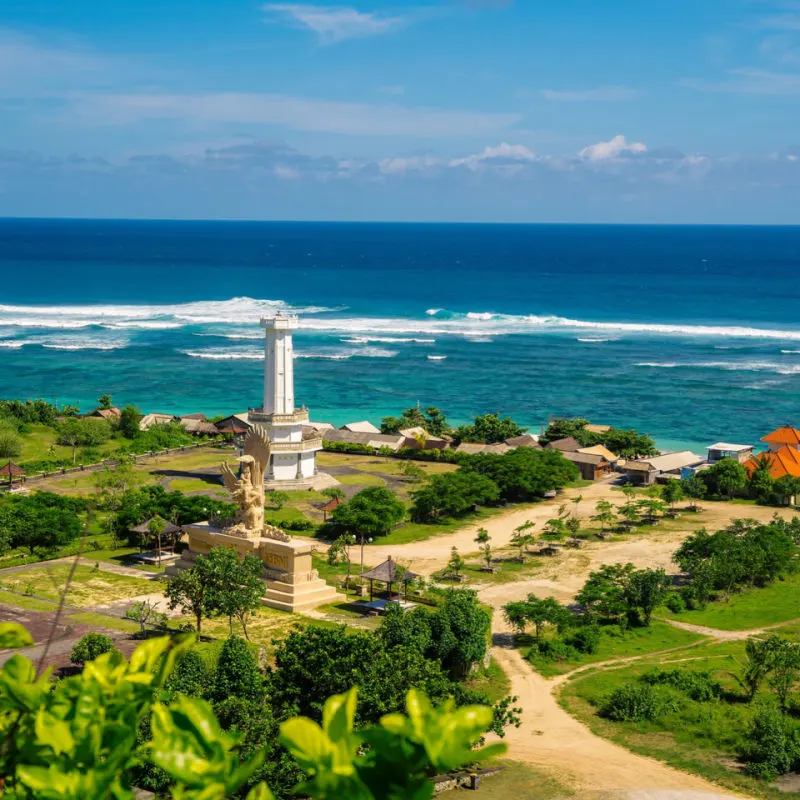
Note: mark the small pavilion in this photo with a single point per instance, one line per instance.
(11, 471)
(331, 505)
(168, 530)
(389, 573)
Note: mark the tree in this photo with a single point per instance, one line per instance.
(146, 613)
(482, 536)
(725, 478)
(604, 593)
(536, 611)
(334, 493)
(86, 432)
(451, 495)
(433, 420)
(10, 443)
(630, 512)
(278, 499)
(604, 514)
(90, 646)
(672, 492)
(187, 591)
(489, 429)
(456, 562)
(785, 669)
(523, 474)
(42, 522)
(759, 655)
(645, 590)
(339, 552)
(522, 537)
(236, 674)
(104, 402)
(115, 482)
(787, 487)
(233, 585)
(129, 419)
(458, 631)
(694, 486)
(653, 508)
(372, 512)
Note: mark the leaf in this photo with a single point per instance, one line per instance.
(53, 733)
(305, 740)
(260, 792)
(339, 714)
(14, 636)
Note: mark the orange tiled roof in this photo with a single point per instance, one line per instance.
(785, 461)
(786, 434)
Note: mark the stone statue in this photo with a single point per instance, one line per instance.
(248, 491)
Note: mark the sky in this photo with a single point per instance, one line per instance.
(685, 111)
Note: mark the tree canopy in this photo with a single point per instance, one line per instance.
(372, 512)
(489, 429)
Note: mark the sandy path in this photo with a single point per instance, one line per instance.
(552, 740)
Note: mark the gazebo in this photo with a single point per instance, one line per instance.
(157, 526)
(11, 471)
(389, 573)
(331, 505)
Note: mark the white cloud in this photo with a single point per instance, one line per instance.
(618, 146)
(749, 80)
(393, 166)
(502, 154)
(335, 23)
(297, 113)
(605, 94)
(23, 60)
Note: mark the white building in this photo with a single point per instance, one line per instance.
(293, 456)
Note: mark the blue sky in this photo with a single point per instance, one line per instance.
(486, 110)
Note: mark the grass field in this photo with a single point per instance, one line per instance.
(748, 610)
(37, 444)
(507, 565)
(492, 681)
(698, 737)
(520, 782)
(633, 642)
(89, 587)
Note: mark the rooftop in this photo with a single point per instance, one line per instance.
(786, 434)
(390, 572)
(730, 448)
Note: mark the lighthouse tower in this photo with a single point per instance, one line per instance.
(293, 457)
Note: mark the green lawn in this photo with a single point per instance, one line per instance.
(89, 586)
(699, 737)
(36, 445)
(507, 565)
(491, 681)
(24, 602)
(754, 608)
(361, 479)
(520, 782)
(633, 642)
(186, 485)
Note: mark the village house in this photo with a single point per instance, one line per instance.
(592, 466)
(526, 440)
(738, 452)
(148, 420)
(373, 440)
(600, 450)
(565, 445)
(783, 456)
(111, 415)
(363, 426)
(418, 438)
(646, 471)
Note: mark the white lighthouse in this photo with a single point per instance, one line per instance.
(293, 461)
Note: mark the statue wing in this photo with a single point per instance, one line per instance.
(257, 445)
(229, 479)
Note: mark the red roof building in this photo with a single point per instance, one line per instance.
(784, 461)
(785, 436)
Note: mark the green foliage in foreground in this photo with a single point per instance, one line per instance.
(77, 738)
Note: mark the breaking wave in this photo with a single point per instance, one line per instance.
(329, 354)
(732, 366)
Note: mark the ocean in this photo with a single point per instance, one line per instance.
(689, 333)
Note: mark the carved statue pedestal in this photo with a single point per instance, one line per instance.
(292, 584)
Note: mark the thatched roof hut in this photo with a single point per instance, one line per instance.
(389, 573)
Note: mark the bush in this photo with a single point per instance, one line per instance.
(90, 646)
(772, 744)
(555, 650)
(675, 602)
(237, 672)
(190, 675)
(586, 639)
(637, 702)
(698, 686)
(299, 525)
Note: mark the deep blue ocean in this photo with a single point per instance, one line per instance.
(689, 333)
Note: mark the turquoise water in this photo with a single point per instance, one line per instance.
(689, 333)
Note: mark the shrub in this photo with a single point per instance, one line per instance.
(555, 650)
(299, 525)
(675, 602)
(586, 639)
(637, 702)
(237, 672)
(698, 686)
(190, 675)
(90, 646)
(772, 745)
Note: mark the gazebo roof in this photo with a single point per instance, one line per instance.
(145, 526)
(11, 470)
(388, 572)
(332, 504)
